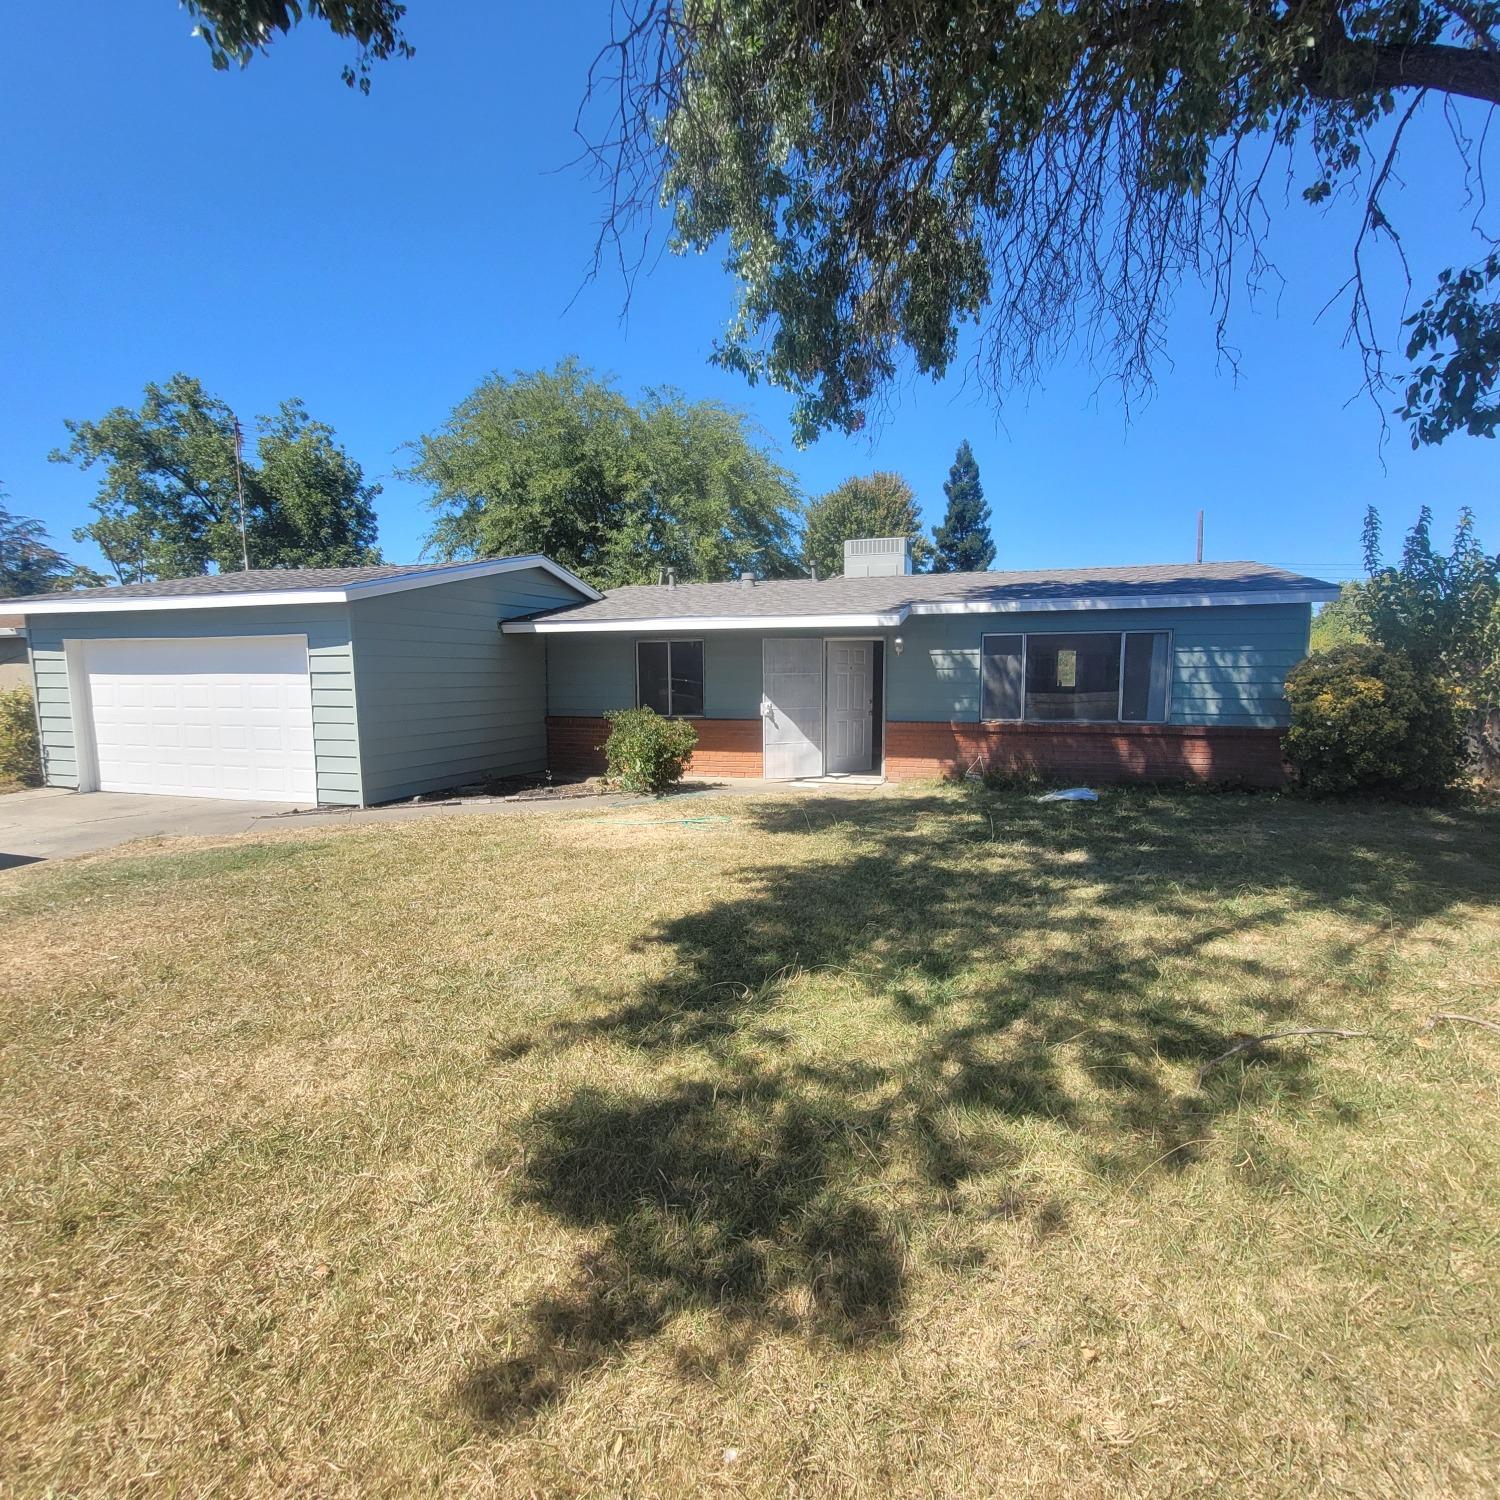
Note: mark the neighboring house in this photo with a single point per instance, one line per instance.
(360, 685)
(1106, 674)
(308, 685)
(15, 659)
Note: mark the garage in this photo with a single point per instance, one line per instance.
(212, 717)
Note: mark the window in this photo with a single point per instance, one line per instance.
(1100, 677)
(669, 677)
(1001, 676)
(1073, 676)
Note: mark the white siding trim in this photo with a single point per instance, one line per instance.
(71, 604)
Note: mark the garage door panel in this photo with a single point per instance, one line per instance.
(216, 717)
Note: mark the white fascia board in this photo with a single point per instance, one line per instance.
(689, 624)
(63, 604)
(377, 586)
(893, 618)
(1122, 601)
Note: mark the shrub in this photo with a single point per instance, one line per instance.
(645, 752)
(1364, 719)
(20, 749)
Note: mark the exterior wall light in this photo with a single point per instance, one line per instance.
(899, 645)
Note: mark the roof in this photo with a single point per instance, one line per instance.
(884, 601)
(265, 586)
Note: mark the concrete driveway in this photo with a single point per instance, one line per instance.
(51, 822)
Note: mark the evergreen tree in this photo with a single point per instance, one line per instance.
(963, 540)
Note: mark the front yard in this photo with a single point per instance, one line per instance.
(801, 1147)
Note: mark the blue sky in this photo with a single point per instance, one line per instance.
(276, 234)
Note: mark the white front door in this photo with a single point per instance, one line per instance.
(851, 697)
(791, 707)
(227, 717)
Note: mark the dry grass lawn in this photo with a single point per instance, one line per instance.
(819, 1147)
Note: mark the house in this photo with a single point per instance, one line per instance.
(362, 685)
(309, 685)
(1166, 672)
(15, 659)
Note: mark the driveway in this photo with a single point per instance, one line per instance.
(51, 822)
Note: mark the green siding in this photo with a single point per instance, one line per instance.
(1229, 662)
(326, 627)
(443, 695)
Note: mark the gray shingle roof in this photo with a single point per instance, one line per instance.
(878, 595)
(256, 581)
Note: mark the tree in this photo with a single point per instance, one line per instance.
(316, 510)
(30, 564)
(885, 175)
(168, 501)
(235, 30)
(561, 462)
(963, 543)
(1443, 613)
(880, 504)
(1340, 623)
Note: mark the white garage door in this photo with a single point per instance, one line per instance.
(228, 717)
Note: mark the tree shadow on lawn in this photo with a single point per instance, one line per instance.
(1012, 950)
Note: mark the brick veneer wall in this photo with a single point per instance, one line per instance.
(1089, 752)
(917, 752)
(726, 747)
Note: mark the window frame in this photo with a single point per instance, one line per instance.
(1026, 636)
(669, 641)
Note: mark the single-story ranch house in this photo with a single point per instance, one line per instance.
(362, 685)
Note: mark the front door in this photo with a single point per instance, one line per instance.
(851, 697)
(791, 707)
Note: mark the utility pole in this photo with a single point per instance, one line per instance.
(1200, 536)
(239, 484)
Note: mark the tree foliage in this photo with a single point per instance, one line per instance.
(962, 544)
(880, 504)
(235, 30)
(1340, 623)
(884, 175)
(168, 505)
(30, 564)
(1366, 719)
(561, 462)
(1442, 611)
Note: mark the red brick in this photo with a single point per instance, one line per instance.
(726, 747)
(1088, 752)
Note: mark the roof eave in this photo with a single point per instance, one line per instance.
(889, 619)
(67, 604)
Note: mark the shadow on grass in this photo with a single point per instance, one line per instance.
(1011, 949)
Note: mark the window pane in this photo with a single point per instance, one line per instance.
(651, 675)
(1144, 699)
(1000, 677)
(687, 677)
(1072, 676)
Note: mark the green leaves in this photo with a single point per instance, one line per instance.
(168, 497)
(963, 542)
(880, 504)
(1458, 328)
(561, 462)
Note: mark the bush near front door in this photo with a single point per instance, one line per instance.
(645, 752)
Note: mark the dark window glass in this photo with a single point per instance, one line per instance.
(652, 676)
(1000, 681)
(669, 676)
(1073, 677)
(1143, 696)
(687, 677)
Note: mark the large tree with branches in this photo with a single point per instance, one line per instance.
(1048, 170)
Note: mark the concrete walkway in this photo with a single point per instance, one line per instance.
(54, 823)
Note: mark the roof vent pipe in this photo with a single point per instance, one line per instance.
(671, 578)
(747, 580)
(814, 572)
